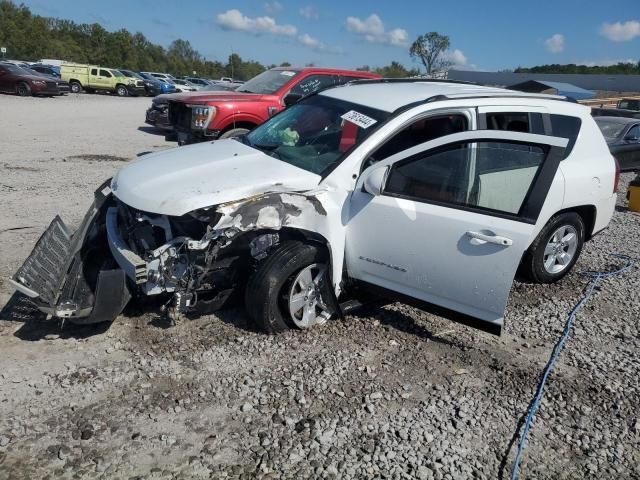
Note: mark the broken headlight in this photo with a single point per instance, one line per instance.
(201, 116)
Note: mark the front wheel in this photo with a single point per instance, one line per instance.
(121, 91)
(289, 289)
(556, 249)
(233, 133)
(23, 89)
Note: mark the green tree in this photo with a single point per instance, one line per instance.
(431, 49)
(396, 70)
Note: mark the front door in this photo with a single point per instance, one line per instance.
(450, 220)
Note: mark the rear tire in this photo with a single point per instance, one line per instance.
(233, 133)
(122, 91)
(555, 250)
(23, 89)
(266, 294)
(75, 87)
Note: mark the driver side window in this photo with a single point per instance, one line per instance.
(312, 83)
(422, 131)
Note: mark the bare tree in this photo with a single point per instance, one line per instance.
(431, 49)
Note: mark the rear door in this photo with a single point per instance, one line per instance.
(452, 220)
(5, 80)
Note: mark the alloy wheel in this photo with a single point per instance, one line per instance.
(561, 249)
(305, 302)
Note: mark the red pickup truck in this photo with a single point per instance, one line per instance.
(215, 115)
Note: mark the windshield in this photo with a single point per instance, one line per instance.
(9, 67)
(130, 74)
(315, 133)
(118, 73)
(268, 82)
(610, 129)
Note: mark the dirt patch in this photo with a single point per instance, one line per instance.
(21, 168)
(98, 157)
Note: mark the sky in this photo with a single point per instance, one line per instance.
(485, 34)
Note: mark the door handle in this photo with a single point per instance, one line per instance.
(498, 240)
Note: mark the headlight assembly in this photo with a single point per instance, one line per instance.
(201, 116)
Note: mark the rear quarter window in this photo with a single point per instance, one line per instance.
(564, 126)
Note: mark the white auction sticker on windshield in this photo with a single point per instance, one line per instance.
(359, 119)
(287, 73)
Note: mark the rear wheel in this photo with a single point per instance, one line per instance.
(121, 91)
(75, 87)
(289, 288)
(556, 249)
(23, 89)
(233, 133)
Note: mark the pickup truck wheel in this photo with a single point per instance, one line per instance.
(23, 89)
(121, 91)
(234, 132)
(555, 250)
(285, 291)
(75, 87)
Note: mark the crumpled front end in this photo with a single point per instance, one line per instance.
(72, 275)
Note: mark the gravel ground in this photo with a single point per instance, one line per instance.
(387, 393)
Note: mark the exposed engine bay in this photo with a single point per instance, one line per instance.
(185, 256)
(196, 261)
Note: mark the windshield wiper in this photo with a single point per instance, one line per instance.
(265, 146)
(268, 148)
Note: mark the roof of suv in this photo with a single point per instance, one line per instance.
(389, 95)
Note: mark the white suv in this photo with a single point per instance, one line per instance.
(431, 192)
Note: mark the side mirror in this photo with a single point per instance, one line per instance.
(291, 99)
(375, 181)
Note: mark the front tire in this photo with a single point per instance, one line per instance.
(23, 89)
(121, 91)
(233, 133)
(555, 250)
(286, 291)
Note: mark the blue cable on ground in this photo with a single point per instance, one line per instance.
(595, 280)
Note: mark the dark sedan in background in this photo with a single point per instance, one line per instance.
(26, 82)
(623, 137)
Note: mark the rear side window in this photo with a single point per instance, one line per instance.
(562, 126)
(515, 122)
(94, 71)
(313, 83)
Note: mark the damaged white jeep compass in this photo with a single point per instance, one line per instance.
(433, 193)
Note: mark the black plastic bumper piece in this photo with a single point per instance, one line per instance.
(64, 282)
